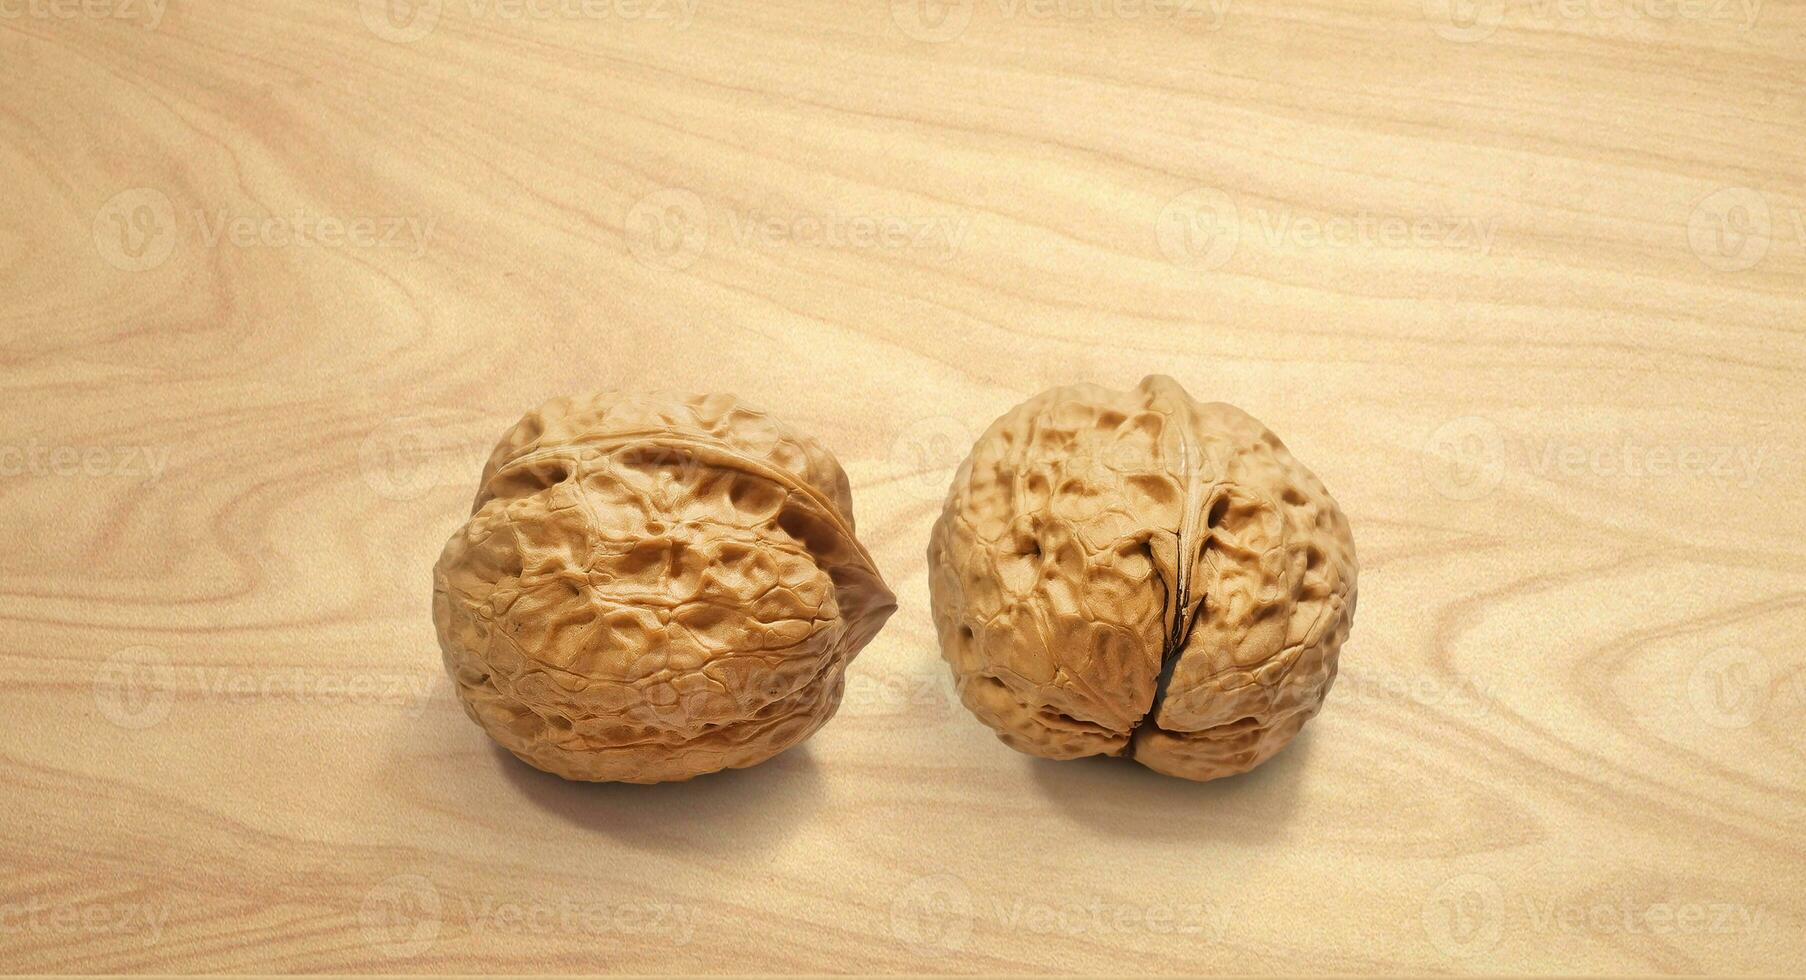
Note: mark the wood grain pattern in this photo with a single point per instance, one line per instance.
(1522, 282)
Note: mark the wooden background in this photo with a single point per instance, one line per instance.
(1525, 284)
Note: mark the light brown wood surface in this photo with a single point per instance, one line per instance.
(1524, 284)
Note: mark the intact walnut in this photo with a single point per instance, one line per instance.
(1137, 574)
(652, 588)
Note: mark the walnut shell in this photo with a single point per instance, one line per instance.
(1137, 574)
(651, 588)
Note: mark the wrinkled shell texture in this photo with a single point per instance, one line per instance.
(650, 588)
(1096, 540)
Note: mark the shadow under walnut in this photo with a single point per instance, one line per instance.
(1137, 803)
(729, 813)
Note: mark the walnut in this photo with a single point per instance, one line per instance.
(652, 588)
(1137, 574)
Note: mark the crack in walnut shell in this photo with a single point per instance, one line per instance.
(1138, 574)
(651, 588)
